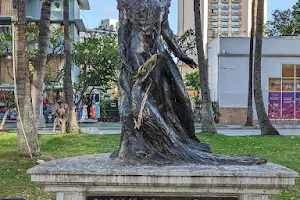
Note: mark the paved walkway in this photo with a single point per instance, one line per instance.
(223, 131)
(115, 128)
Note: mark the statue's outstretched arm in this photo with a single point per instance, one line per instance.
(171, 41)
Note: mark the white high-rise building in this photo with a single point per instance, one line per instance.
(226, 18)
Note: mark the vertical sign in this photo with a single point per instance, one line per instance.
(274, 105)
(288, 105)
(298, 105)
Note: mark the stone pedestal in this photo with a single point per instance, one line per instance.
(77, 178)
(41, 121)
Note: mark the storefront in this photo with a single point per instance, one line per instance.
(228, 65)
(284, 94)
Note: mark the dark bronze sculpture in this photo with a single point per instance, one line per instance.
(158, 125)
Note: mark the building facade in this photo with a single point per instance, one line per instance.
(224, 18)
(33, 12)
(228, 77)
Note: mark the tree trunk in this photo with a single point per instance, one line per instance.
(27, 132)
(72, 125)
(41, 57)
(208, 124)
(265, 125)
(4, 119)
(249, 121)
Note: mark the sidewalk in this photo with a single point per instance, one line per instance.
(115, 127)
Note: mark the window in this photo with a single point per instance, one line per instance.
(224, 17)
(235, 23)
(214, 23)
(225, 12)
(225, 6)
(235, 5)
(214, 17)
(214, 5)
(284, 93)
(234, 30)
(274, 84)
(224, 23)
(235, 17)
(235, 11)
(224, 30)
(214, 11)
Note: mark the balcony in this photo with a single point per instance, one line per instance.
(236, 25)
(214, 13)
(236, 1)
(224, 12)
(214, 25)
(6, 7)
(213, 6)
(236, 7)
(236, 13)
(225, 7)
(214, 1)
(236, 19)
(213, 19)
(224, 25)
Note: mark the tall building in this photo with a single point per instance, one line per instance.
(225, 18)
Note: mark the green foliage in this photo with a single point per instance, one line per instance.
(286, 22)
(14, 182)
(187, 42)
(103, 110)
(192, 80)
(55, 45)
(98, 58)
(5, 42)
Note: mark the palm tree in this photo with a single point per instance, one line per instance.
(208, 124)
(249, 121)
(27, 132)
(72, 125)
(265, 125)
(41, 57)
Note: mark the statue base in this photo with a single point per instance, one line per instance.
(97, 177)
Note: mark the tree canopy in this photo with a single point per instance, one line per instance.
(98, 59)
(285, 22)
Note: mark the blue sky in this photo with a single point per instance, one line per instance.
(103, 9)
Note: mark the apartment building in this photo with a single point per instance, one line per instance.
(226, 18)
(219, 18)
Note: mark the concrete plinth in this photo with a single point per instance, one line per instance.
(77, 178)
(41, 121)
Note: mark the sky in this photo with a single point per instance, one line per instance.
(103, 9)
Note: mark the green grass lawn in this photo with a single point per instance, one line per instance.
(14, 182)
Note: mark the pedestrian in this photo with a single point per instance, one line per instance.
(60, 113)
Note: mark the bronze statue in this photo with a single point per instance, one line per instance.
(158, 125)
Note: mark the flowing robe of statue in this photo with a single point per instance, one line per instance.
(155, 109)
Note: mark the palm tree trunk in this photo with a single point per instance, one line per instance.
(265, 125)
(27, 132)
(249, 121)
(41, 57)
(208, 124)
(72, 125)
